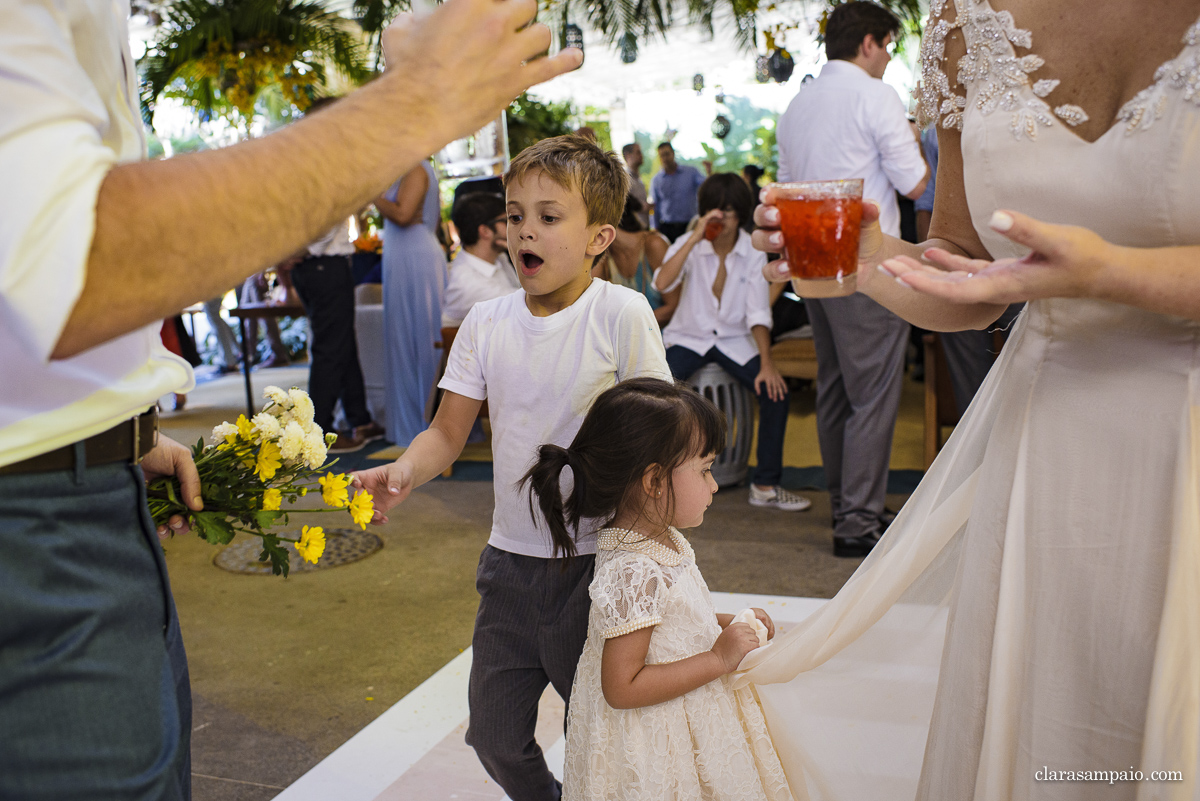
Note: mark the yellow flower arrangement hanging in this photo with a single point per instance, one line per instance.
(251, 467)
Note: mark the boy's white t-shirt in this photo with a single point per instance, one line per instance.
(540, 375)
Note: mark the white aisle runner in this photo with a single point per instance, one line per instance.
(415, 750)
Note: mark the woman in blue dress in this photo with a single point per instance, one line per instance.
(414, 280)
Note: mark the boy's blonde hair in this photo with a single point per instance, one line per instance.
(578, 164)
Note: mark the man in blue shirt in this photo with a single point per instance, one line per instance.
(673, 193)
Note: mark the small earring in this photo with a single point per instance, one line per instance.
(659, 492)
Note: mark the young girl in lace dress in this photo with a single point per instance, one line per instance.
(652, 714)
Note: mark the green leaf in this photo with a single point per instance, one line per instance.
(266, 519)
(276, 553)
(214, 527)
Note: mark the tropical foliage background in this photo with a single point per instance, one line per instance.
(236, 59)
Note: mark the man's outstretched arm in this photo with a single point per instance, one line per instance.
(174, 232)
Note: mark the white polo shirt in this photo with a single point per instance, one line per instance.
(701, 321)
(846, 124)
(473, 280)
(68, 114)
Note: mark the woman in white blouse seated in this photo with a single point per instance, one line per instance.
(481, 270)
(724, 316)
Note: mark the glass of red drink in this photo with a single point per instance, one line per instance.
(820, 221)
(713, 229)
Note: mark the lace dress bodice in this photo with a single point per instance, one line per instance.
(1135, 186)
(710, 743)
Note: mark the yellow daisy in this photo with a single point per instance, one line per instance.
(361, 508)
(272, 499)
(268, 461)
(311, 544)
(333, 489)
(245, 429)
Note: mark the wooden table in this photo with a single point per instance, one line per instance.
(246, 314)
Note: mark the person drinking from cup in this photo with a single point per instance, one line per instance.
(724, 316)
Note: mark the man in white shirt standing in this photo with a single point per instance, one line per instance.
(481, 270)
(94, 697)
(849, 124)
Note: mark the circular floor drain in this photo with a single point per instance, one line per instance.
(342, 546)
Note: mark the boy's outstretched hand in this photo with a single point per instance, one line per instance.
(388, 485)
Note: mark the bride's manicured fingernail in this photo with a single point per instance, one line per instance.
(776, 240)
(772, 215)
(1000, 221)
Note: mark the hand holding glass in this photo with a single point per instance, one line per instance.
(820, 221)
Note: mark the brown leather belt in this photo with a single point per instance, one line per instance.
(126, 442)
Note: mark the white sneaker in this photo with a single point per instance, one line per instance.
(778, 498)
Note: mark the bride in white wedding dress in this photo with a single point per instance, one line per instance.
(1035, 607)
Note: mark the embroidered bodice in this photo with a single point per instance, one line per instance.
(1004, 81)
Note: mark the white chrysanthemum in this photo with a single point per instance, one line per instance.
(291, 445)
(277, 396)
(302, 406)
(267, 425)
(219, 433)
(314, 449)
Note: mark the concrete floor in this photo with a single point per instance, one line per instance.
(285, 671)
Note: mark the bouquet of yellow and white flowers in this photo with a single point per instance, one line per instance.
(251, 467)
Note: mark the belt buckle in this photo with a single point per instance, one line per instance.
(137, 435)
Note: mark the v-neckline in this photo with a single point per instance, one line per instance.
(1117, 118)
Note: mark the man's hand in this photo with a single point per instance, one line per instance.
(471, 58)
(169, 458)
(389, 485)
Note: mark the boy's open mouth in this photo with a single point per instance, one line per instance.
(529, 262)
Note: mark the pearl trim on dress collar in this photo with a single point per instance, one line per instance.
(623, 539)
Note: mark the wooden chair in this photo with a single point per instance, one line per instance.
(795, 358)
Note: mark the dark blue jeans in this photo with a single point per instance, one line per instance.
(94, 694)
(772, 414)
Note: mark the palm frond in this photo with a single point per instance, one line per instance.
(237, 45)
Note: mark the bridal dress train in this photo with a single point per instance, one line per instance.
(1036, 605)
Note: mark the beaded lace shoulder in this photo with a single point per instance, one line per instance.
(1003, 79)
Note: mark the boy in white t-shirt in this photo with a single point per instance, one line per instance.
(540, 356)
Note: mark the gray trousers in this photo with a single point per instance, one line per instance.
(94, 697)
(529, 631)
(860, 365)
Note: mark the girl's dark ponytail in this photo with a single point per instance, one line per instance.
(545, 481)
(639, 424)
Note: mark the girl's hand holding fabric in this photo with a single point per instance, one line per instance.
(1065, 262)
(737, 640)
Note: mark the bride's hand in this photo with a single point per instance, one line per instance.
(768, 238)
(1065, 262)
